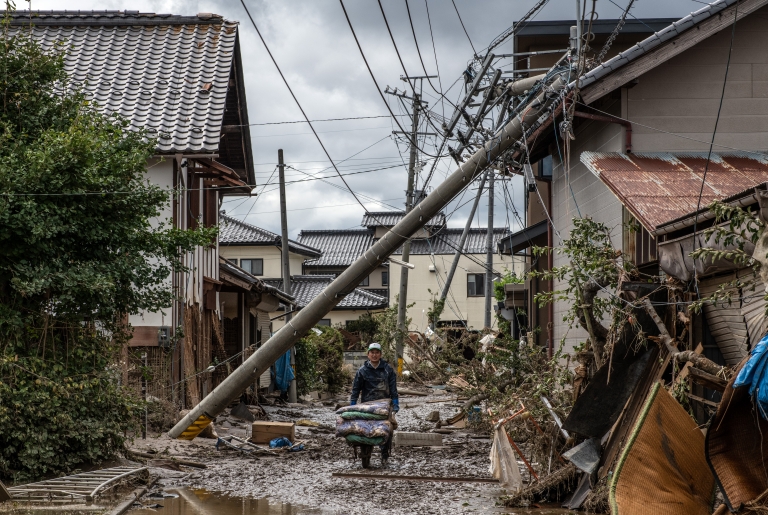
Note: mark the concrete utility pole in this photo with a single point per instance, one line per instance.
(462, 241)
(489, 254)
(402, 302)
(292, 396)
(505, 139)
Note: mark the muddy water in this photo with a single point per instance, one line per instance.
(203, 502)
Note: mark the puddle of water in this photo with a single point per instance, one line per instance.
(203, 502)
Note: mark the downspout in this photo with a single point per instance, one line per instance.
(610, 119)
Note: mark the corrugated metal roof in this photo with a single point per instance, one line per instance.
(304, 288)
(658, 187)
(339, 247)
(234, 232)
(168, 74)
(392, 218)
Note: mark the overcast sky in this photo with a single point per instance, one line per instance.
(313, 45)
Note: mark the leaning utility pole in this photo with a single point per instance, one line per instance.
(489, 253)
(460, 248)
(292, 396)
(402, 301)
(508, 138)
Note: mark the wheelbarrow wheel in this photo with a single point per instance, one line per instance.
(365, 455)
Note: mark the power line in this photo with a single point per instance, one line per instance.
(463, 27)
(314, 121)
(712, 143)
(370, 72)
(296, 100)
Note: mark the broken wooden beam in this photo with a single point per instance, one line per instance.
(707, 380)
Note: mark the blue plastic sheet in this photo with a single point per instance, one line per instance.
(754, 374)
(283, 372)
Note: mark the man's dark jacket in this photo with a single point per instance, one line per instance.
(375, 383)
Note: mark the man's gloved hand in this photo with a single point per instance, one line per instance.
(352, 403)
(395, 405)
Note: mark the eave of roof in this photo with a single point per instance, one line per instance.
(256, 284)
(659, 187)
(164, 73)
(233, 232)
(306, 287)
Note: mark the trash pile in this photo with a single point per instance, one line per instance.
(368, 423)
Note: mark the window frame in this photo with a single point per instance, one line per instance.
(385, 277)
(474, 292)
(250, 269)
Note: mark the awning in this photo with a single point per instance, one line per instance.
(534, 235)
(658, 187)
(234, 276)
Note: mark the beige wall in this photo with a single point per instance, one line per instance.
(589, 198)
(272, 257)
(458, 305)
(339, 316)
(682, 95)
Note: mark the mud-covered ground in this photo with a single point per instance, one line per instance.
(305, 477)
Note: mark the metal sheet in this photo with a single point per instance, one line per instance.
(726, 321)
(586, 455)
(658, 187)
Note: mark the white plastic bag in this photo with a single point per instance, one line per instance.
(503, 462)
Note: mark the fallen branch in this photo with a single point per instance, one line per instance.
(561, 478)
(699, 361)
(482, 396)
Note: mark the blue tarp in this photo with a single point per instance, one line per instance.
(754, 374)
(283, 372)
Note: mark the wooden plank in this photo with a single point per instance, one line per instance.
(707, 380)
(668, 50)
(387, 477)
(703, 400)
(144, 336)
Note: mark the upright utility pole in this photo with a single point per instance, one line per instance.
(402, 301)
(489, 254)
(292, 397)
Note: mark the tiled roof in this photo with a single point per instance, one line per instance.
(234, 232)
(391, 218)
(446, 241)
(304, 288)
(168, 74)
(339, 247)
(658, 187)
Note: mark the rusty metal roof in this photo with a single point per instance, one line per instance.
(658, 187)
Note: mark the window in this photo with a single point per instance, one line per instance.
(365, 281)
(385, 278)
(233, 260)
(253, 266)
(545, 168)
(325, 322)
(475, 285)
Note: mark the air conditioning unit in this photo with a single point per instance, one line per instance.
(431, 268)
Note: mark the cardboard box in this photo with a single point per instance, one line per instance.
(263, 431)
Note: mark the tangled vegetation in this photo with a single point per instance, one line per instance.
(77, 255)
(319, 360)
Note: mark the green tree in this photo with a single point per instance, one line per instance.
(77, 255)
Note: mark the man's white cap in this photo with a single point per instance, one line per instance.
(374, 346)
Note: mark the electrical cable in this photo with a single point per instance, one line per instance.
(517, 26)
(463, 27)
(615, 33)
(313, 121)
(298, 104)
(370, 72)
(434, 51)
(712, 143)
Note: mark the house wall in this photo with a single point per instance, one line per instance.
(374, 278)
(682, 95)
(158, 173)
(580, 193)
(339, 316)
(271, 255)
(458, 305)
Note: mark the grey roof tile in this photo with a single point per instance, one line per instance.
(234, 232)
(149, 68)
(339, 247)
(446, 241)
(304, 288)
(391, 218)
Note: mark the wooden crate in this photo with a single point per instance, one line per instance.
(264, 431)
